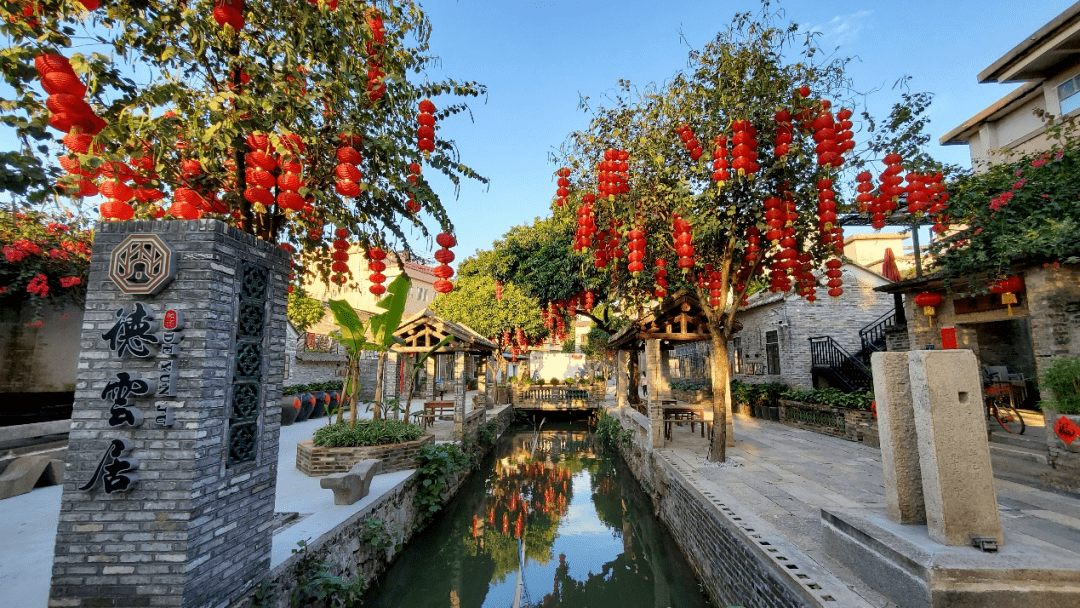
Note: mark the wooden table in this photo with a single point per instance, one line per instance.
(676, 414)
(435, 408)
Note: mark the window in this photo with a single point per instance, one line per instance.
(772, 352)
(736, 355)
(1069, 94)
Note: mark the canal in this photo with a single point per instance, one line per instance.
(549, 520)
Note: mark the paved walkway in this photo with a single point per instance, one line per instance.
(786, 475)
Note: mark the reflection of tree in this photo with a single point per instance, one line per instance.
(617, 584)
(607, 495)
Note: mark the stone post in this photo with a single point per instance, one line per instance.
(484, 382)
(459, 394)
(431, 369)
(899, 446)
(654, 379)
(954, 452)
(171, 465)
(664, 379)
(622, 382)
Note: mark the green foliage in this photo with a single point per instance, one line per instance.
(831, 397)
(473, 303)
(690, 385)
(569, 381)
(295, 389)
(555, 382)
(1026, 211)
(304, 311)
(438, 465)
(317, 586)
(374, 533)
(1062, 379)
(765, 394)
(610, 431)
(486, 435)
(569, 347)
(367, 432)
(45, 259)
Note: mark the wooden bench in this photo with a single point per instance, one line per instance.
(354, 485)
(682, 415)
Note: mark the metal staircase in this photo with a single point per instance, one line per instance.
(846, 371)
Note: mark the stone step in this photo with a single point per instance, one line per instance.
(998, 449)
(1022, 441)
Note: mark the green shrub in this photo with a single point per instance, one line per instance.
(569, 381)
(367, 432)
(437, 465)
(691, 385)
(599, 378)
(831, 397)
(1062, 379)
(610, 431)
(555, 382)
(766, 394)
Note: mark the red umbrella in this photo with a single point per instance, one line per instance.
(888, 266)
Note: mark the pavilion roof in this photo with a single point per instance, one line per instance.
(425, 329)
(678, 318)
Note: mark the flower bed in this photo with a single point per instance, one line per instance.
(316, 461)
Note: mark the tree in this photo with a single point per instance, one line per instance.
(511, 321)
(1022, 211)
(45, 260)
(304, 311)
(730, 171)
(282, 118)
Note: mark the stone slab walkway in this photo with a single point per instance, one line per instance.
(786, 475)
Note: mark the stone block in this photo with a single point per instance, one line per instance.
(354, 485)
(954, 451)
(897, 437)
(22, 475)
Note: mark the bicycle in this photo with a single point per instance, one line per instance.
(1000, 405)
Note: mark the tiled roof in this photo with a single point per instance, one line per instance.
(413, 266)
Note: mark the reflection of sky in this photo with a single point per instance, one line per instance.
(587, 542)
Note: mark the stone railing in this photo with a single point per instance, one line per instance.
(583, 396)
(850, 424)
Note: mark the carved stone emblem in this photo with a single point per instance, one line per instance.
(142, 264)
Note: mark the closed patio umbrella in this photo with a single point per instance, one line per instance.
(888, 266)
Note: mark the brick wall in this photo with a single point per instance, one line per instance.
(192, 530)
(316, 461)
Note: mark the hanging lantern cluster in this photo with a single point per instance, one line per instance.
(712, 281)
(744, 148)
(834, 273)
(260, 164)
(805, 281)
(865, 189)
(720, 161)
(347, 173)
(425, 133)
(144, 166)
(686, 134)
(660, 278)
(340, 256)
(607, 244)
(289, 181)
(498, 290)
(612, 179)
(563, 183)
(586, 221)
(444, 256)
(376, 84)
(929, 301)
(684, 243)
(636, 246)
(411, 205)
(230, 13)
(589, 301)
(376, 264)
(785, 133)
(889, 191)
(1007, 288)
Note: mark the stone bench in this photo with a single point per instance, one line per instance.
(24, 473)
(354, 485)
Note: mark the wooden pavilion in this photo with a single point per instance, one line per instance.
(677, 319)
(424, 330)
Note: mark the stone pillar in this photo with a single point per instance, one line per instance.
(654, 379)
(954, 452)
(459, 393)
(622, 382)
(171, 466)
(899, 446)
(484, 382)
(431, 369)
(664, 377)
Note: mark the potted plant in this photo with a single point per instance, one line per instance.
(1061, 407)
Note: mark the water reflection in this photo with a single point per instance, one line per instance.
(553, 523)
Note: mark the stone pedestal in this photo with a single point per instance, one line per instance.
(899, 446)
(622, 364)
(171, 468)
(954, 452)
(654, 374)
(459, 393)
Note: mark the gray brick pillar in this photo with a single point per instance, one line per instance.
(622, 364)
(483, 381)
(431, 367)
(172, 458)
(459, 393)
(654, 375)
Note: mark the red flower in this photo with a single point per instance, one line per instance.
(70, 281)
(39, 285)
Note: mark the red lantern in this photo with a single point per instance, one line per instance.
(1008, 288)
(425, 133)
(928, 300)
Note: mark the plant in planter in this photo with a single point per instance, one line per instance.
(367, 432)
(1062, 410)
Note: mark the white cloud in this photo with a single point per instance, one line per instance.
(842, 29)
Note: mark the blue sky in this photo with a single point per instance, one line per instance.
(537, 57)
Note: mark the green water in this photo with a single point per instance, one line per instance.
(548, 521)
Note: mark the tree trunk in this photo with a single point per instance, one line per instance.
(720, 378)
(354, 398)
(377, 409)
(410, 366)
